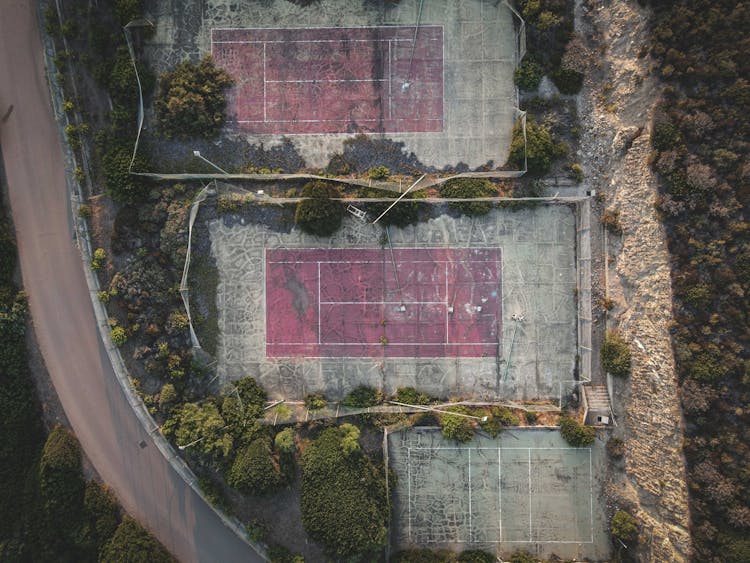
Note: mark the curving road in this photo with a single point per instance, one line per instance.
(96, 406)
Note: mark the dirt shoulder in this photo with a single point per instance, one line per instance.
(618, 103)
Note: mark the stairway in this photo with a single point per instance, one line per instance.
(597, 399)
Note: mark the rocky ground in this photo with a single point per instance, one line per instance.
(616, 108)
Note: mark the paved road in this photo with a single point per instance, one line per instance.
(107, 428)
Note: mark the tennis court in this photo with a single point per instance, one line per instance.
(405, 302)
(525, 487)
(334, 80)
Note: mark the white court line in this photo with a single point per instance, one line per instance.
(529, 450)
(470, 534)
(500, 493)
(265, 110)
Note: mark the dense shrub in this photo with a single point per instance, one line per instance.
(60, 478)
(575, 433)
(538, 149)
(624, 526)
(362, 397)
(200, 428)
(528, 75)
(344, 505)
(458, 428)
(405, 212)
(191, 101)
(411, 396)
(615, 355)
(568, 81)
(378, 172)
(498, 418)
(319, 214)
(469, 188)
(521, 556)
(315, 401)
(131, 542)
(255, 470)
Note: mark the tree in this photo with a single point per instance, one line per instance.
(624, 526)
(615, 355)
(315, 401)
(343, 503)
(132, 543)
(575, 433)
(457, 428)
(255, 470)
(203, 427)
(469, 188)
(60, 477)
(191, 100)
(538, 147)
(319, 214)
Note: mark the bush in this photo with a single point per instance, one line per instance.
(315, 401)
(539, 148)
(611, 220)
(405, 212)
(119, 184)
(615, 448)
(499, 417)
(132, 542)
(284, 441)
(624, 526)
(97, 262)
(665, 136)
(191, 100)
(379, 173)
(344, 505)
(615, 355)
(567, 80)
(60, 477)
(576, 434)
(469, 188)
(476, 556)
(319, 214)
(521, 556)
(528, 75)
(458, 428)
(118, 335)
(362, 397)
(411, 396)
(255, 470)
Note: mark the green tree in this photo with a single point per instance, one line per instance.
(538, 147)
(315, 401)
(624, 526)
(133, 544)
(318, 214)
(191, 100)
(255, 470)
(469, 188)
(575, 433)
(201, 426)
(528, 75)
(615, 355)
(343, 501)
(457, 428)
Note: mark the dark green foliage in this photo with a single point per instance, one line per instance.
(344, 505)
(665, 135)
(102, 516)
(476, 556)
(319, 214)
(191, 101)
(498, 418)
(469, 188)
(7, 261)
(411, 396)
(521, 556)
(624, 526)
(458, 428)
(127, 10)
(528, 75)
(423, 555)
(363, 396)
(255, 470)
(405, 212)
(568, 81)
(615, 355)
(575, 433)
(253, 396)
(315, 401)
(132, 543)
(60, 479)
(118, 182)
(539, 148)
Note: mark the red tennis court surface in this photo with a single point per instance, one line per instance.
(333, 80)
(350, 303)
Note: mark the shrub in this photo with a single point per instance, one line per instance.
(521, 556)
(615, 448)
(615, 355)
(665, 136)
(191, 101)
(405, 212)
(315, 401)
(577, 171)
(576, 434)
(119, 184)
(118, 335)
(362, 397)
(539, 148)
(531, 417)
(255, 470)
(499, 417)
(102, 514)
(97, 261)
(343, 503)
(284, 441)
(528, 75)
(476, 556)
(624, 526)
(567, 80)
(319, 214)
(60, 477)
(458, 428)
(411, 396)
(131, 542)
(379, 173)
(611, 220)
(127, 10)
(469, 188)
